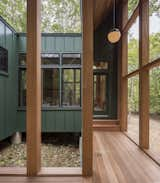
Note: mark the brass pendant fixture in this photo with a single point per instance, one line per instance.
(114, 35)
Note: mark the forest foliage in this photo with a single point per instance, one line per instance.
(133, 62)
(56, 15)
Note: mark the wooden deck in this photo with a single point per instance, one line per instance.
(116, 160)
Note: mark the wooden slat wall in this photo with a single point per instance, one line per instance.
(33, 87)
(87, 102)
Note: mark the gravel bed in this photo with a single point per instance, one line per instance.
(54, 154)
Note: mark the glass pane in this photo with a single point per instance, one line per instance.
(22, 59)
(100, 93)
(133, 47)
(22, 88)
(71, 59)
(155, 110)
(154, 30)
(3, 59)
(68, 75)
(78, 75)
(50, 87)
(50, 59)
(132, 4)
(133, 108)
(100, 65)
(71, 87)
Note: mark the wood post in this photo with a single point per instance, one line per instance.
(124, 71)
(33, 87)
(87, 103)
(144, 74)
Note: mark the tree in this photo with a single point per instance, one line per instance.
(57, 15)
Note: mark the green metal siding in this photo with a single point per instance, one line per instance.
(8, 84)
(54, 121)
(54, 43)
(59, 120)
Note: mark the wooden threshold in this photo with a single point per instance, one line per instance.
(60, 171)
(44, 172)
(13, 171)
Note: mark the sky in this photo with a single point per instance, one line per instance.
(154, 26)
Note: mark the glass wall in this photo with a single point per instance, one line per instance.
(100, 93)
(154, 29)
(132, 4)
(133, 108)
(154, 137)
(133, 47)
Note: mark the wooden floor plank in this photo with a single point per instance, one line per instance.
(116, 160)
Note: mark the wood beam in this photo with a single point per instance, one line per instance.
(124, 70)
(87, 103)
(144, 74)
(33, 87)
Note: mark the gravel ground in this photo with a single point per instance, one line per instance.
(55, 154)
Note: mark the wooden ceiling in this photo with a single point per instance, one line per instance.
(102, 9)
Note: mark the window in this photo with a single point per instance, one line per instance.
(61, 82)
(3, 60)
(154, 135)
(132, 4)
(100, 88)
(154, 29)
(133, 47)
(71, 87)
(133, 108)
(50, 87)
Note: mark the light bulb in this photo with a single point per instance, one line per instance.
(114, 35)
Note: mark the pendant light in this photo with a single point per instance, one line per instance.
(114, 35)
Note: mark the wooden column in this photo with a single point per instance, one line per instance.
(33, 87)
(124, 70)
(87, 103)
(144, 74)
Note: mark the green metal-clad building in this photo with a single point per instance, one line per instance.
(61, 66)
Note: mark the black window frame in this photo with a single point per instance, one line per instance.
(59, 66)
(3, 60)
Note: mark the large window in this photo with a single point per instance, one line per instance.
(133, 47)
(3, 60)
(132, 4)
(61, 80)
(100, 92)
(154, 29)
(133, 108)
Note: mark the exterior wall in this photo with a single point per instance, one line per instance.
(53, 119)
(8, 83)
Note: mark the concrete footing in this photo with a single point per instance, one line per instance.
(16, 138)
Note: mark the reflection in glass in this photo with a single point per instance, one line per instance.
(132, 4)
(71, 59)
(99, 93)
(71, 87)
(133, 108)
(154, 132)
(154, 30)
(22, 87)
(133, 47)
(50, 87)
